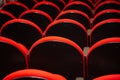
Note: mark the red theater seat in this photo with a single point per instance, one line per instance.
(41, 18)
(106, 14)
(13, 56)
(81, 6)
(107, 5)
(33, 74)
(109, 77)
(100, 1)
(57, 55)
(52, 9)
(70, 29)
(75, 15)
(28, 3)
(59, 3)
(89, 2)
(22, 31)
(105, 29)
(103, 58)
(5, 16)
(15, 8)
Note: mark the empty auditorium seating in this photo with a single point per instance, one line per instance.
(77, 39)
(52, 9)
(15, 8)
(107, 5)
(41, 18)
(105, 29)
(12, 56)
(76, 15)
(79, 5)
(109, 77)
(57, 55)
(5, 16)
(103, 58)
(33, 74)
(68, 28)
(22, 31)
(106, 14)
